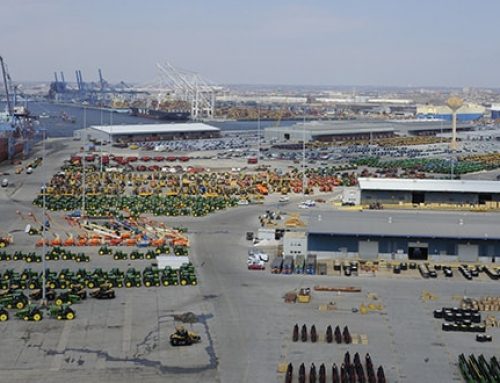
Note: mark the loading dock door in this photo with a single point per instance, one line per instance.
(418, 251)
(368, 249)
(468, 253)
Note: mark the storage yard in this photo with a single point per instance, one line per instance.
(169, 208)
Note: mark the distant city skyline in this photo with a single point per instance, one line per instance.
(440, 43)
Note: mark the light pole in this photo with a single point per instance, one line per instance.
(304, 154)
(82, 214)
(258, 133)
(44, 288)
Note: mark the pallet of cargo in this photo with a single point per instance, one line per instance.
(348, 289)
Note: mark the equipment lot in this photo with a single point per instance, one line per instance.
(244, 325)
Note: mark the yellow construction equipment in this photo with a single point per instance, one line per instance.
(304, 295)
(294, 221)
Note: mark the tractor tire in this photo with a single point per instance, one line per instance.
(4, 317)
(20, 305)
(37, 317)
(194, 283)
(26, 318)
(166, 283)
(128, 284)
(2, 245)
(184, 282)
(147, 284)
(32, 286)
(28, 259)
(91, 285)
(132, 257)
(58, 302)
(70, 315)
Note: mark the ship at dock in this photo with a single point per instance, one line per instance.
(170, 110)
(16, 124)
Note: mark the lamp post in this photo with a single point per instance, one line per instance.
(303, 153)
(82, 214)
(44, 276)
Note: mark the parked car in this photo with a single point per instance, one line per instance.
(258, 265)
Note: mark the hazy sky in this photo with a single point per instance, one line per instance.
(313, 42)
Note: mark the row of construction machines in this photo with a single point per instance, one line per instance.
(298, 265)
(114, 278)
(221, 183)
(140, 232)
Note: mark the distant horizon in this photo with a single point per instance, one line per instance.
(431, 87)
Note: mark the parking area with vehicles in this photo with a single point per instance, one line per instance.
(245, 328)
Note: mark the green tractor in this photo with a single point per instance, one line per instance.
(78, 289)
(62, 312)
(169, 277)
(66, 298)
(18, 255)
(187, 279)
(132, 278)
(181, 250)
(36, 295)
(150, 254)
(32, 257)
(120, 255)
(30, 312)
(136, 255)
(81, 257)
(151, 279)
(14, 300)
(163, 249)
(104, 250)
(183, 337)
(4, 314)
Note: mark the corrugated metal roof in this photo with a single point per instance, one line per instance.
(155, 128)
(457, 186)
(406, 224)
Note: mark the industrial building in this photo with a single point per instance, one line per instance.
(427, 191)
(294, 243)
(399, 235)
(151, 132)
(467, 112)
(355, 129)
(495, 112)
(327, 131)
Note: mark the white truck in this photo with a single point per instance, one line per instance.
(172, 261)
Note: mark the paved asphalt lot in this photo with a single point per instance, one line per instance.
(244, 324)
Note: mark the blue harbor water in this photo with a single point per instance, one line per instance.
(62, 120)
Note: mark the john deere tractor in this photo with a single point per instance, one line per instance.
(14, 300)
(4, 314)
(63, 312)
(183, 337)
(30, 312)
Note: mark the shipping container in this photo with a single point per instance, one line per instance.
(277, 265)
(311, 264)
(299, 264)
(288, 265)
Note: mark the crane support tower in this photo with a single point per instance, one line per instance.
(191, 87)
